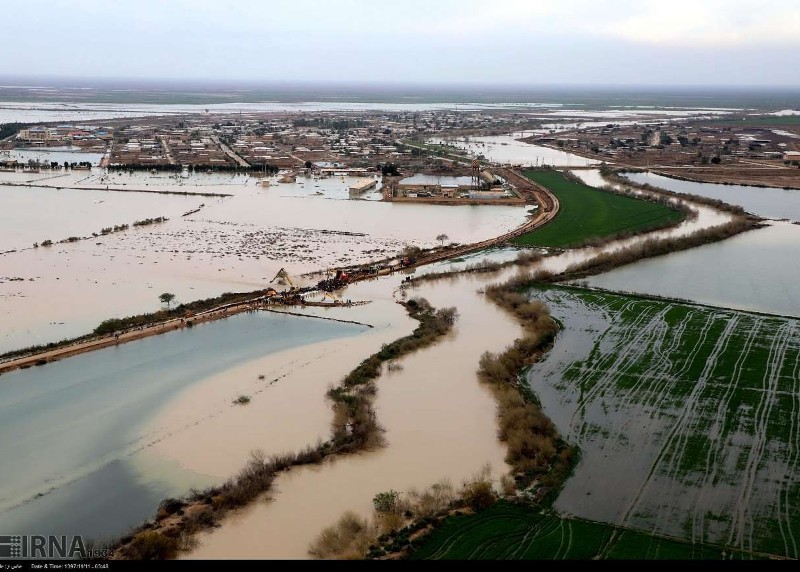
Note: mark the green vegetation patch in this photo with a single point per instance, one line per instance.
(508, 531)
(588, 214)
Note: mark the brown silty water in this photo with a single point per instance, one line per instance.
(440, 423)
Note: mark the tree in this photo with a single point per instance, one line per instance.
(442, 237)
(390, 169)
(385, 501)
(167, 298)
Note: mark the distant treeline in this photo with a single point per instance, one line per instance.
(163, 167)
(143, 167)
(9, 129)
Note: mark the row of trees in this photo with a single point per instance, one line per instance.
(36, 164)
(9, 129)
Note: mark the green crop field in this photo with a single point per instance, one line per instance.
(687, 418)
(587, 213)
(508, 531)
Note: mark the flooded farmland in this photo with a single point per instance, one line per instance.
(235, 243)
(685, 416)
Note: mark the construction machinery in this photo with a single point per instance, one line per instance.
(284, 278)
(340, 280)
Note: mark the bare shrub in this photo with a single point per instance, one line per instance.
(477, 492)
(432, 500)
(507, 485)
(394, 366)
(153, 545)
(348, 539)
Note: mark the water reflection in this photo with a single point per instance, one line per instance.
(762, 201)
(751, 271)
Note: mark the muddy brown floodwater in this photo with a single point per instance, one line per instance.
(233, 244)
(440, 422)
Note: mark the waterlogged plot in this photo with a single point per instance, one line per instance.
(506, 531)
(687, 418)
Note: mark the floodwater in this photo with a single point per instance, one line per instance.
(31, 215)
(291, 414)
(440, 423)
(57, 154)
(506, 149)
(685, 418)
(232, 244)
(762, 201)
(79, 430)
(751, 271)
(438, 420)
(746, 272)
(40, 112)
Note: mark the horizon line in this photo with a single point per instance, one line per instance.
(8, 80)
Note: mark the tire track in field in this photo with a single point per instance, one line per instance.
(691, 424)
(647, 386)
(742, 517)
(540, 531)
(613, 364)
(783, 494)
(759, 428)
(664, 394)
(718, 436)
(677, 428)
(458, 534)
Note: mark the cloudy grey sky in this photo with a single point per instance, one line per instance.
(657, 42)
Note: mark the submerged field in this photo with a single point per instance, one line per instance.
(687, 421)
(587, 213)
(686, 417)
(508, 531)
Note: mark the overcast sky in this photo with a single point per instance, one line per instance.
(663, 42)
